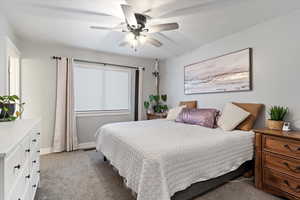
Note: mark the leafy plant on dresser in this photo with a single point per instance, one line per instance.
(157, 103)
(8, 106)
(277, 115)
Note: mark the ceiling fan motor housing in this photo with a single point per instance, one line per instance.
(141, 20)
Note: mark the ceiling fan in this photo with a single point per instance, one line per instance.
(138, 31)
(137, 14)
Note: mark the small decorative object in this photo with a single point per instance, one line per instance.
(286, 126)
(157, 103)
(147, 107)
(227, 73)
(8, 106)
(277, 114)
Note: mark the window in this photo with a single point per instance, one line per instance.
(101, 88)
(14, 76)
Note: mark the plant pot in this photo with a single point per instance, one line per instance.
(275, 125)
(11, 110)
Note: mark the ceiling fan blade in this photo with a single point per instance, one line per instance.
(165, 37)
(153, 42)
(123, 44)
(129, 15)
(119, 29)
(163, 27)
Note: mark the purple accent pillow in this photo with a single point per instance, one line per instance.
(202, 117)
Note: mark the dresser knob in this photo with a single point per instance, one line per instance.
(292, 150)
(34, 186)
(297, 189)
(38, 151)
(28, 176)
(17, 166)
(296, 170)
(27, 150)
(34, 140)
(34, 161)
(39, 171)
(38, 133)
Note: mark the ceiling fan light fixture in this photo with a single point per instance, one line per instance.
(142, 39)
(130, 37)
(134, 43)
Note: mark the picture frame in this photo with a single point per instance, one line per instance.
(230, 72)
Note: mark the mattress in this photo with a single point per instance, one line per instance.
(158, 158)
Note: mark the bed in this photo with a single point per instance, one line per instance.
(159, 158)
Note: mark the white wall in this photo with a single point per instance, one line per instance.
(6, 33)
(276, 67)
(39, 85)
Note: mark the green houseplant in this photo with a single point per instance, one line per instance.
(277, 115)
(8, 105)
(157, 103)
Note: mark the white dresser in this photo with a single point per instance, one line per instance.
(19, 159)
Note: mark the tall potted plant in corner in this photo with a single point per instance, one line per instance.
(277, 115)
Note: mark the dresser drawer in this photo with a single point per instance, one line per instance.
(282, 146)
(282, 164)
(25, 149)
(282, 182)
(35, 140)
(23, 181)
(13, 168)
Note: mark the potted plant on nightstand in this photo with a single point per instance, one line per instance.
(277, 114)
(156, 106)
(8, 106)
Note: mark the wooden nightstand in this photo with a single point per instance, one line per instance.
(277, 162)
(156, 116)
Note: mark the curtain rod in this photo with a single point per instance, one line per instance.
(101, 63)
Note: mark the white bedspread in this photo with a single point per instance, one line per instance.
(159, 158)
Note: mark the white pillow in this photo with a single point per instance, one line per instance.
(174, 112)
(231, 117)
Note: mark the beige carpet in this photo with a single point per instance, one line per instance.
(82, 175)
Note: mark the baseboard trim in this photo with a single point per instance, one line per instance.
(45, 151)
(86, 145)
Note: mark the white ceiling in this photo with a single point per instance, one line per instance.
(67, 22)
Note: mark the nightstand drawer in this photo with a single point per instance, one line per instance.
(282, 164)
(282, 146)
(282, 182)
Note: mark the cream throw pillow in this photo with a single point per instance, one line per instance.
(174, 112)
(231, 117)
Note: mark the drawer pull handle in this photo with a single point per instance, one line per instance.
(38, 151)
(34, 161)
(38, 133)
(34, 186)
(27, 150)
(17, 166)
(28, 176)
(297, 189)
(296, 170)
(34, 140)
(39, 171)
(292, 150)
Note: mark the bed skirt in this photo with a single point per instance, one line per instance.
(202, 187)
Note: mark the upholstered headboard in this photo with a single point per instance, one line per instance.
(189, 104)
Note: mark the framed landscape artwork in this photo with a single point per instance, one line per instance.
(226, 73)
